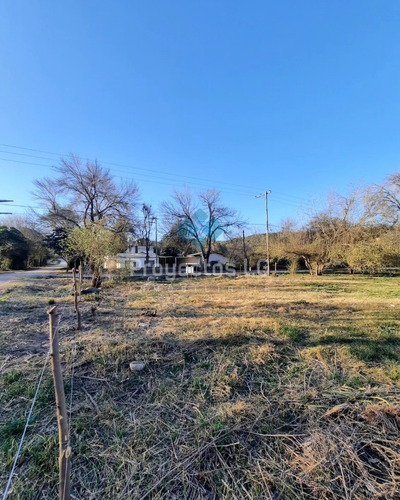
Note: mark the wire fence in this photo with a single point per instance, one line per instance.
(32, 406)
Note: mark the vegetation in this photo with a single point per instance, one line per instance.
(22, 244)
(85, 194)
(200, 220)
(253, 388)
(95, 243)
(14, 249)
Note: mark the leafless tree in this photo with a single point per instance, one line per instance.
(84, 194)
(201, 219)
(383, 202)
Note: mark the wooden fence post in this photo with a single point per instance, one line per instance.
(80, 276)
(62, 420)
(78, 313)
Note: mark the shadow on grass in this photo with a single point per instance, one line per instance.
(365, 349)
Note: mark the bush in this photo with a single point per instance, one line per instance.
(293, 267)
(14, 249)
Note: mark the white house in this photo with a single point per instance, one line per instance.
(196, 259)
(133, 258)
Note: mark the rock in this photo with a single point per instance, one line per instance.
(136, 366)
(91, 289)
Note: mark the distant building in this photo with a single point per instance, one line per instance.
(133, 258)
(196, 260)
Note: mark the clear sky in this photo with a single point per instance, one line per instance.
(300, 97)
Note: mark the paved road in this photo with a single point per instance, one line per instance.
(34, 273)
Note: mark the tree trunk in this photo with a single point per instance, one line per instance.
(308, 265)
(96, 277)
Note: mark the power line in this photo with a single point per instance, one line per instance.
(130, 167)
(226, 190)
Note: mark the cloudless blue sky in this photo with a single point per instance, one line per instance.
(300, 97)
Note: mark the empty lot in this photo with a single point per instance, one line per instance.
(278, 388)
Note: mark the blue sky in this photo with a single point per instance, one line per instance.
(300, 97)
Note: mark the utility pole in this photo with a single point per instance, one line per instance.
(155, 219)
(244, 253)
(266, 225)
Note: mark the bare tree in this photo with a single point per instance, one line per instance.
(324, 238)
(85, 194)
(383, 202)
(174, 244)
(202, 219)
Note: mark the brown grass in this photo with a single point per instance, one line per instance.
(280, 388)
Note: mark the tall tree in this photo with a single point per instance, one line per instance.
(201, 219)
(84, 194)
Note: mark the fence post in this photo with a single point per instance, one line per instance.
(62, 420)
(80, 276)
(78, 313)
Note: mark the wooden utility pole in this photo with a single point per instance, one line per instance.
(244, 253)
(62, 420)
(155, 218)
(266, 226)
(78, 313)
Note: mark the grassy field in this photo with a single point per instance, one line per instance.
(254, 387)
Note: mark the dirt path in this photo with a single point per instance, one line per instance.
(40, 271)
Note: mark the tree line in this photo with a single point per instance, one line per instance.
(360, 233)
(87, 216)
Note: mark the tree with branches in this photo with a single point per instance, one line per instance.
(84, 201)
(201, 219)
(84, 194)
(383, 202)
(96, 242)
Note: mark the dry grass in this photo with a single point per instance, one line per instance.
(280, 388)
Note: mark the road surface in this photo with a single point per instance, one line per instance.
(34, 273)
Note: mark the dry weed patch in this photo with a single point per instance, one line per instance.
(280, 388)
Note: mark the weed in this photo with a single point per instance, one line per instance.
(293, 333)
(374, 352)
(246, 393)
